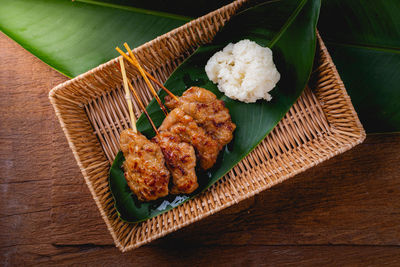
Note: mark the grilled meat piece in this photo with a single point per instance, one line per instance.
(181, 161)
(208, 112)
(144, 166)
(207, 149)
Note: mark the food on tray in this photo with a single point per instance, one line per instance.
(181, 124)
(207, 111)
(179, 155)
(194, 131)
(244, 71)
(181, 161)
(144, 166)
(254, 121)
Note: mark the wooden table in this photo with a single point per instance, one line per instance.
(346, 211)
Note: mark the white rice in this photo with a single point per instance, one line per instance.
(244, 71)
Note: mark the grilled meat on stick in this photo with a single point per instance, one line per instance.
(144, 165)
(181, 161)
(207, 111)
(197, 107)
(202, 105)
(181, 124)
(179, 156)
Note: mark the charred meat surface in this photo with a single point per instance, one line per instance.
(181, 161)
(183, 125)
(144, 166)
(208, 112)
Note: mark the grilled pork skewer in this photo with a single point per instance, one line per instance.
(181, 162)
(179, 156)
(207, 147)
(207, 111)
(144, 165)
(202, 105)
(181, 124)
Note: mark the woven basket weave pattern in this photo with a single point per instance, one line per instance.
(92, 112)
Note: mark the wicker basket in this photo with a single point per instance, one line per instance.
(92, 112)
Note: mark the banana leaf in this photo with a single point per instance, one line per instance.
(192, 9)
(363, 38)
(288, 27)
(74, 37)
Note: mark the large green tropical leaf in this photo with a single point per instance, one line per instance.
(74, 37)
(363, 38)
(288, 27)
(182, 7)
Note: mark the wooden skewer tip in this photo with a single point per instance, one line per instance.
(147, 74)
(144, 75)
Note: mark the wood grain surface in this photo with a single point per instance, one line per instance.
(345, 211)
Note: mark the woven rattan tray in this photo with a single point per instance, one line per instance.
(92, 112)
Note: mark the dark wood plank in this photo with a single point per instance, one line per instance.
(342, 212)
(179, 255)
(28, 123)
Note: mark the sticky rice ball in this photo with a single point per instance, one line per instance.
(244, 71)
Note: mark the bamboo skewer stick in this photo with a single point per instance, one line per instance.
(142, 107)
(145, 78)
(148, 75)
(127, 94)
